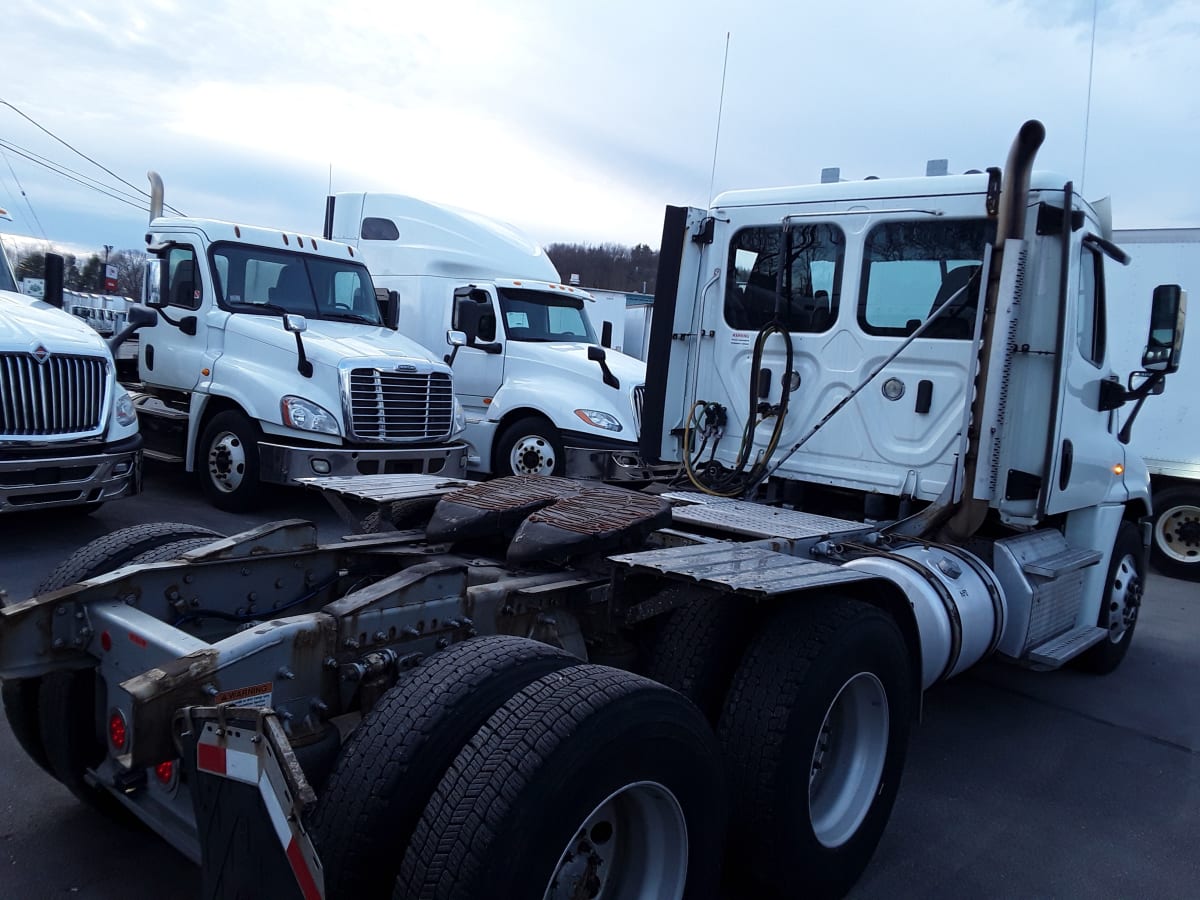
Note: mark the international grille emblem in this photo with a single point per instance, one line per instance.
(41, 354)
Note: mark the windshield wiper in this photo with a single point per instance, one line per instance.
(350, 317)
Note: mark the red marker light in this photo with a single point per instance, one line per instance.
(165, 771)
(106, 641)
(117, 733)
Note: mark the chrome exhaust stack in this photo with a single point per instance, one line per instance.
(156, 194)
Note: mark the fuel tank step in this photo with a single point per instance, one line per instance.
(1055, 652)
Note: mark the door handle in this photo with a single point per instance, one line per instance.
(1064, 467)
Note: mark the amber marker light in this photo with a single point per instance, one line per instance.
(1118, 469)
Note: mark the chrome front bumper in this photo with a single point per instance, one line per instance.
(282, 464)
(59, 481)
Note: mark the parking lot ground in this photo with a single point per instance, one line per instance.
(1018, 784)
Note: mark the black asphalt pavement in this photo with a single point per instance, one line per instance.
(1018, 784)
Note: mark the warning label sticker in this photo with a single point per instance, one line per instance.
(254, 695)
(739, 338)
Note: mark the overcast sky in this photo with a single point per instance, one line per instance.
(579, 122)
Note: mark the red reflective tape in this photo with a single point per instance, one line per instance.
(137, 639)
(308, 885)
(210, 758)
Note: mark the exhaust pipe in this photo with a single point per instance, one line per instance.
(957, 521)
(1018, 169)
(156, 195)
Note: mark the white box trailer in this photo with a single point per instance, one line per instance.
(1167, 432)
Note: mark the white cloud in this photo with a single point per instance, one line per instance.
(581, 122)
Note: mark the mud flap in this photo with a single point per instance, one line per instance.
(250, 797)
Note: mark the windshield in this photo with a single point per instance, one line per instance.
(544, 316)
(6, 277)
(253, 279)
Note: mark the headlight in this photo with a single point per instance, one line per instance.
(460, 418)
(598, 419)
(307, 416)
(124, 409)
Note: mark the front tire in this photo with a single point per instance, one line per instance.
(227, 461)
(529, 446)
(1175, 546)
(1122, 602)
(815, 733)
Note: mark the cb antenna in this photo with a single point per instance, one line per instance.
(1087, 116)
(720, 109)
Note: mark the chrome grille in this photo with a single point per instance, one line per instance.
(61, 395)
(639, 398)
(400, 406)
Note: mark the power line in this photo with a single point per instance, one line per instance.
(84, 180)
(81, 154)
(12, 172)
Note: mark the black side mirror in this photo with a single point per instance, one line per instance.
(597, 354)
(136, 317)
(1164, 343)
(606, 334)
(391, 310)
(53, 273)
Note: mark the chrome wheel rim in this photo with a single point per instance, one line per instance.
(632, 846)
(227, 462)
(1177, 534)
(1124, 599)
(532, 455)
(847, 760)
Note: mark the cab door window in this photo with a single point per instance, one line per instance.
(1089, 317)
(183, 288)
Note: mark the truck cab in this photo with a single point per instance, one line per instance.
(541, 395)
(68, 431)
(273, 360)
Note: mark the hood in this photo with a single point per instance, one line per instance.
(571, 357)
(329, 343)
(26, 323)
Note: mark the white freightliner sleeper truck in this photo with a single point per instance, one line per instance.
(541, 395)
(895, 407)
(68, 431)
(273, 360)
(1167, 435)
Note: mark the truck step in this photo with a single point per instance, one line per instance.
(1057, 651)
(1061, 563)
(161, 456)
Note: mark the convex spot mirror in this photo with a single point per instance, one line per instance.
(1164, 344)
(456, 338)
(295, 324)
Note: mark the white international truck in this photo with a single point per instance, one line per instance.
(542, 396)
(68, 431)
(1167, 435)
(895, 406)
(273, 360)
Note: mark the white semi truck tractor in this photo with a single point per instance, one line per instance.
(541, 395)
(894, 405)
(273, 360)
(68, 431)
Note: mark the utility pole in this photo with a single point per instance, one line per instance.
(104, 279)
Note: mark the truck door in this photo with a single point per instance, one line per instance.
(1084, 447)
(478, 366)
(171, 353)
